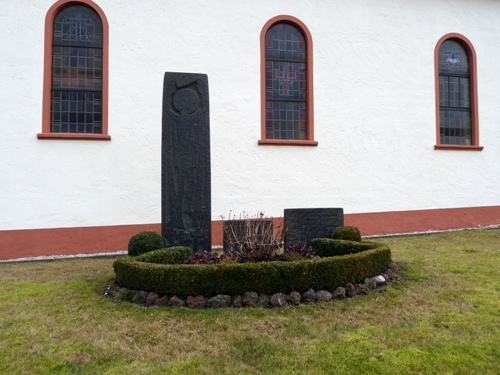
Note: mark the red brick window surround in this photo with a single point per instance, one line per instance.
(287, 108)
(457, 119)
(75, 81)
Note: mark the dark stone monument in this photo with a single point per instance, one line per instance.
(304, 224)
(185, 165)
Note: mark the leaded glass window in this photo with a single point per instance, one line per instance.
(454, 94)
(286, 82)
(77, 65)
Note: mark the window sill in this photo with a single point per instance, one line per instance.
(458, 147)
(287, 142)
(94, 137)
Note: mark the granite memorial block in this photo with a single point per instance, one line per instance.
(304, 224)
(185, 165)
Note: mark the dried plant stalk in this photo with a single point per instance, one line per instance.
(253, 239)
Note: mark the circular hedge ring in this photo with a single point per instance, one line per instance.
(264, 277)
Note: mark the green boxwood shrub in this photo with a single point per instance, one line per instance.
(264, 277)
(328, 247)
(143, 242)
(170, 255)
(347, 233)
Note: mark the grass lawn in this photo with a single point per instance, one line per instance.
(442, 317)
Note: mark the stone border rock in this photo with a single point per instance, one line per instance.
(252, 299)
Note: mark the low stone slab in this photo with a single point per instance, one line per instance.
(304, 224)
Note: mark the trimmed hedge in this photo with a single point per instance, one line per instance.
(348, 233)
(238, 278)
(143, 242)
(170, 255)
(328, 247)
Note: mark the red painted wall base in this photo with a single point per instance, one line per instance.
(92, 240)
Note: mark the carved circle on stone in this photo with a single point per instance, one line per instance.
(186, 101)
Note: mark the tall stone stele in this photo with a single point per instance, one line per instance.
(185, 166)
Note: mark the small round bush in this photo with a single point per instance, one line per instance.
(347, 233)
(143, 242)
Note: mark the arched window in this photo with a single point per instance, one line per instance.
(75, 79)
(286, 80)
(456, 104)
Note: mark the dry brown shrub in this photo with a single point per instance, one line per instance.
(253, 239)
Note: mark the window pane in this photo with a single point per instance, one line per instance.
(444, 98)
(78, 25)
(465, 92)
(286, 42)
(77, 71)
(454, 94)
(74, 111)
(454, 91)
(455, 127)
(74, 67)
(453, 58)
(286, 83)
(286, 120)
(286, 80)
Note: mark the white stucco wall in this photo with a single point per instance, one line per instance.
(374, 112)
